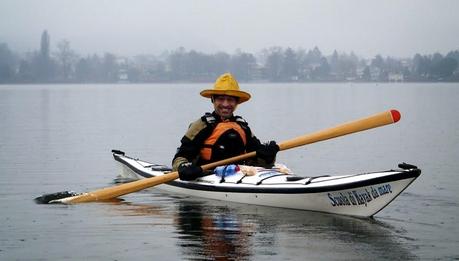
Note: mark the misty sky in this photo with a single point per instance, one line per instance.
(398, 28)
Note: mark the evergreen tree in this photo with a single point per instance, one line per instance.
(443, 69)
(44, 45)
(43, 64)
(290, 66)
(242, 65)
(7, 64)
(273, 66)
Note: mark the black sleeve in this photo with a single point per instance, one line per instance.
(253, 143)
(190, 149)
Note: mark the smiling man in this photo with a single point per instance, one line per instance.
(220, 134)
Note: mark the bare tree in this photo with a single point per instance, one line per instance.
(66, 59)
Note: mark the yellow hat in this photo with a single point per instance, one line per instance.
(226, 84)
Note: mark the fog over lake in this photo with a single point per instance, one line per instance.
(390, 28)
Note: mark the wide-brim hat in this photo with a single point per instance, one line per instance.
(226, 84)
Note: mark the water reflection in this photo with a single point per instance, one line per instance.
(213, 232)
(216, 230)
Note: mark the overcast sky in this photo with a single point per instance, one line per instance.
(397, 28)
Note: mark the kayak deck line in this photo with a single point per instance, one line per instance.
(363, 194)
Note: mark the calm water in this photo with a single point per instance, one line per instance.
(59, 137)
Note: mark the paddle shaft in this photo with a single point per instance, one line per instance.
(370, 122)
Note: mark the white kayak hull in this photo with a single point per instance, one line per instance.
(361, 195)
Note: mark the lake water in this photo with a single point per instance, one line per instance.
(59, 137)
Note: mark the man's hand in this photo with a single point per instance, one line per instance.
(188, 171)
(268, 151)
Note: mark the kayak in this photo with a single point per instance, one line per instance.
(361, 195)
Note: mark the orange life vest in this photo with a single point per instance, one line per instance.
(219, 130)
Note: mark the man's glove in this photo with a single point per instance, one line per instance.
(188, 171)
(268, 152)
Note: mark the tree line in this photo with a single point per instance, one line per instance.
(275, 64)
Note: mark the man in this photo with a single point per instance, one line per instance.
(220, 134)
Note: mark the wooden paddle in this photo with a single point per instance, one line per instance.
(370, 122)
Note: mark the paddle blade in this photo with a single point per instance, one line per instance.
(109, 193)
(52, 198)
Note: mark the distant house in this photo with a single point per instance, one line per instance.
(375, 74)
(123, 76)
(395, 77)
(256, 72)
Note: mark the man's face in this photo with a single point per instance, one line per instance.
(225, 105)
